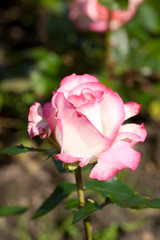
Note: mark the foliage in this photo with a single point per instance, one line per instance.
(12, 210)
(113, 191)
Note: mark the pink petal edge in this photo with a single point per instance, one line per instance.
(132, 133)
(131, 109)
(73, 80)
(71, 158)
(118, 157)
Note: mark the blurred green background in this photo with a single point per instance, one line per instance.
(39, 46)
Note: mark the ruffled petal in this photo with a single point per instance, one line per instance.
(37, 125)
(32, 130)
(131, 109)
(92, 87)
(73, 80)
(79, 136)
(112, 114)
(86, 92)
(132, 133)
(35, 113)
(77, 100)
(118, 157)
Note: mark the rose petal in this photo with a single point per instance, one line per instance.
(112, 114)
(73, 80)
(131, 109)
(77, 100)
(71, 158)
(92, 111)
(32, 130)
(49, 113)
(118, 157)
(92, 87)
(91, 9)
(35, 113)
(132, 133)
(86, 92)
(37, 123)
(78, 134)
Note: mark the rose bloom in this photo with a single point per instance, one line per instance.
(90, 14)
(85, 119)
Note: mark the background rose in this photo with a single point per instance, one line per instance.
(90, 14)
(86, 120)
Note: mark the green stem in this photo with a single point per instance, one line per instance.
(80, 192)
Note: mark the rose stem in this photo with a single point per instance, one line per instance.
(80, 191)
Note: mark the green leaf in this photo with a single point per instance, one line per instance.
(112, 188)
(61, 192)
(22, 149)
(138, 201)
(72, 204)
(12, 210)
(85, 211)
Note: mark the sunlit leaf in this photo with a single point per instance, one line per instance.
(138, 201)
(113, 187)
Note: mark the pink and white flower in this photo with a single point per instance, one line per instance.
(85, 119)
(90, 14)
(38, 125)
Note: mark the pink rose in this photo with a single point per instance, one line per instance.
(90, 14)
(38, 125)
(86, 120)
